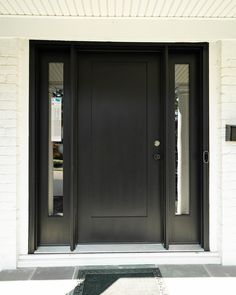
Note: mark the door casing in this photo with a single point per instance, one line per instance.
(36, 47)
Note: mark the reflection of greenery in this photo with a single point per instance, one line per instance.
(57, 163)
(56, 153)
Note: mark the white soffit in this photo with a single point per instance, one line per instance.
(121, 8)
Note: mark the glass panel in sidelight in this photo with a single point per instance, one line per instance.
(55, 147)
(182, 139)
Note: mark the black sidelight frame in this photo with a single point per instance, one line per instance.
(72, 48)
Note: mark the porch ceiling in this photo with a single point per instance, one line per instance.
(121, 8)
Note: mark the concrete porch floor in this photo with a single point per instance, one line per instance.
(176, 279)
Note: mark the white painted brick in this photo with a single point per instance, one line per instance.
(9, 187)
(8, 163)
(228, 80)
(230, 208)
(11, 78)
(228, 155)
(228, 147)
(9, 43)
(230, 160)
(228, 89)
(7, 122)
(230, 62)
(9, 69)
(227, 98)
(8, 61)
(5, 151)
(10, 131)
(7, 141)
(231, 184)
(3, 60)
(9, 218)
(228, 50)
(2, 78)
(228, 111)
(7, 169)
(7, 114)
(7, 105)
(9, 52)
(12, 60)
(8, 88)
(7, 178)
(232, 231)
(7, 199)
(8, 214)
(229, 107)
(8, 150)
(227, 72)
(7, 96)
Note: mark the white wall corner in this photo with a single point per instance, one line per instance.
(214, 143)
(23, 147)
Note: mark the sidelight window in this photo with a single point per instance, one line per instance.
(55, 147)
(182, 138)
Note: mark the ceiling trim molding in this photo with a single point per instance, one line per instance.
(117, 30)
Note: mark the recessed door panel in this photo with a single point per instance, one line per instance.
(119, 139)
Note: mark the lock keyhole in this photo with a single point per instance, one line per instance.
(156, 157)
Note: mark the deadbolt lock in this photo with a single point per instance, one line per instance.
(156, 157)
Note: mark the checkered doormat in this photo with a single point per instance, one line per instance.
(129, 281)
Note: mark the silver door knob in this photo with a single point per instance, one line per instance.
(157, 143)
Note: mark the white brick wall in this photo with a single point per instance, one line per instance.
(14, 56)
(8, 150)
(228, 152)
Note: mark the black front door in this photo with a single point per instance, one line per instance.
(119, 147)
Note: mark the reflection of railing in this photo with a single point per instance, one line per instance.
(57, 205)
(57, 188)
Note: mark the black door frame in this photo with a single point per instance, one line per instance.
(73, 47)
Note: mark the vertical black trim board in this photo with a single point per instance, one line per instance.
(73, 154)
(33, 218)
(167, 114)
(205, 120)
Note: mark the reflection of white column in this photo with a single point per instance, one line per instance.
(183, 154)
(58, 183)
(50, 166)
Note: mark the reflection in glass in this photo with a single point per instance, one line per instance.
(182, 138)
(55, 147)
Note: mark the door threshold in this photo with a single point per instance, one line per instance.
(120, 259)
(117, 248)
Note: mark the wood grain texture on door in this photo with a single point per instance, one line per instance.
(119, 186)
